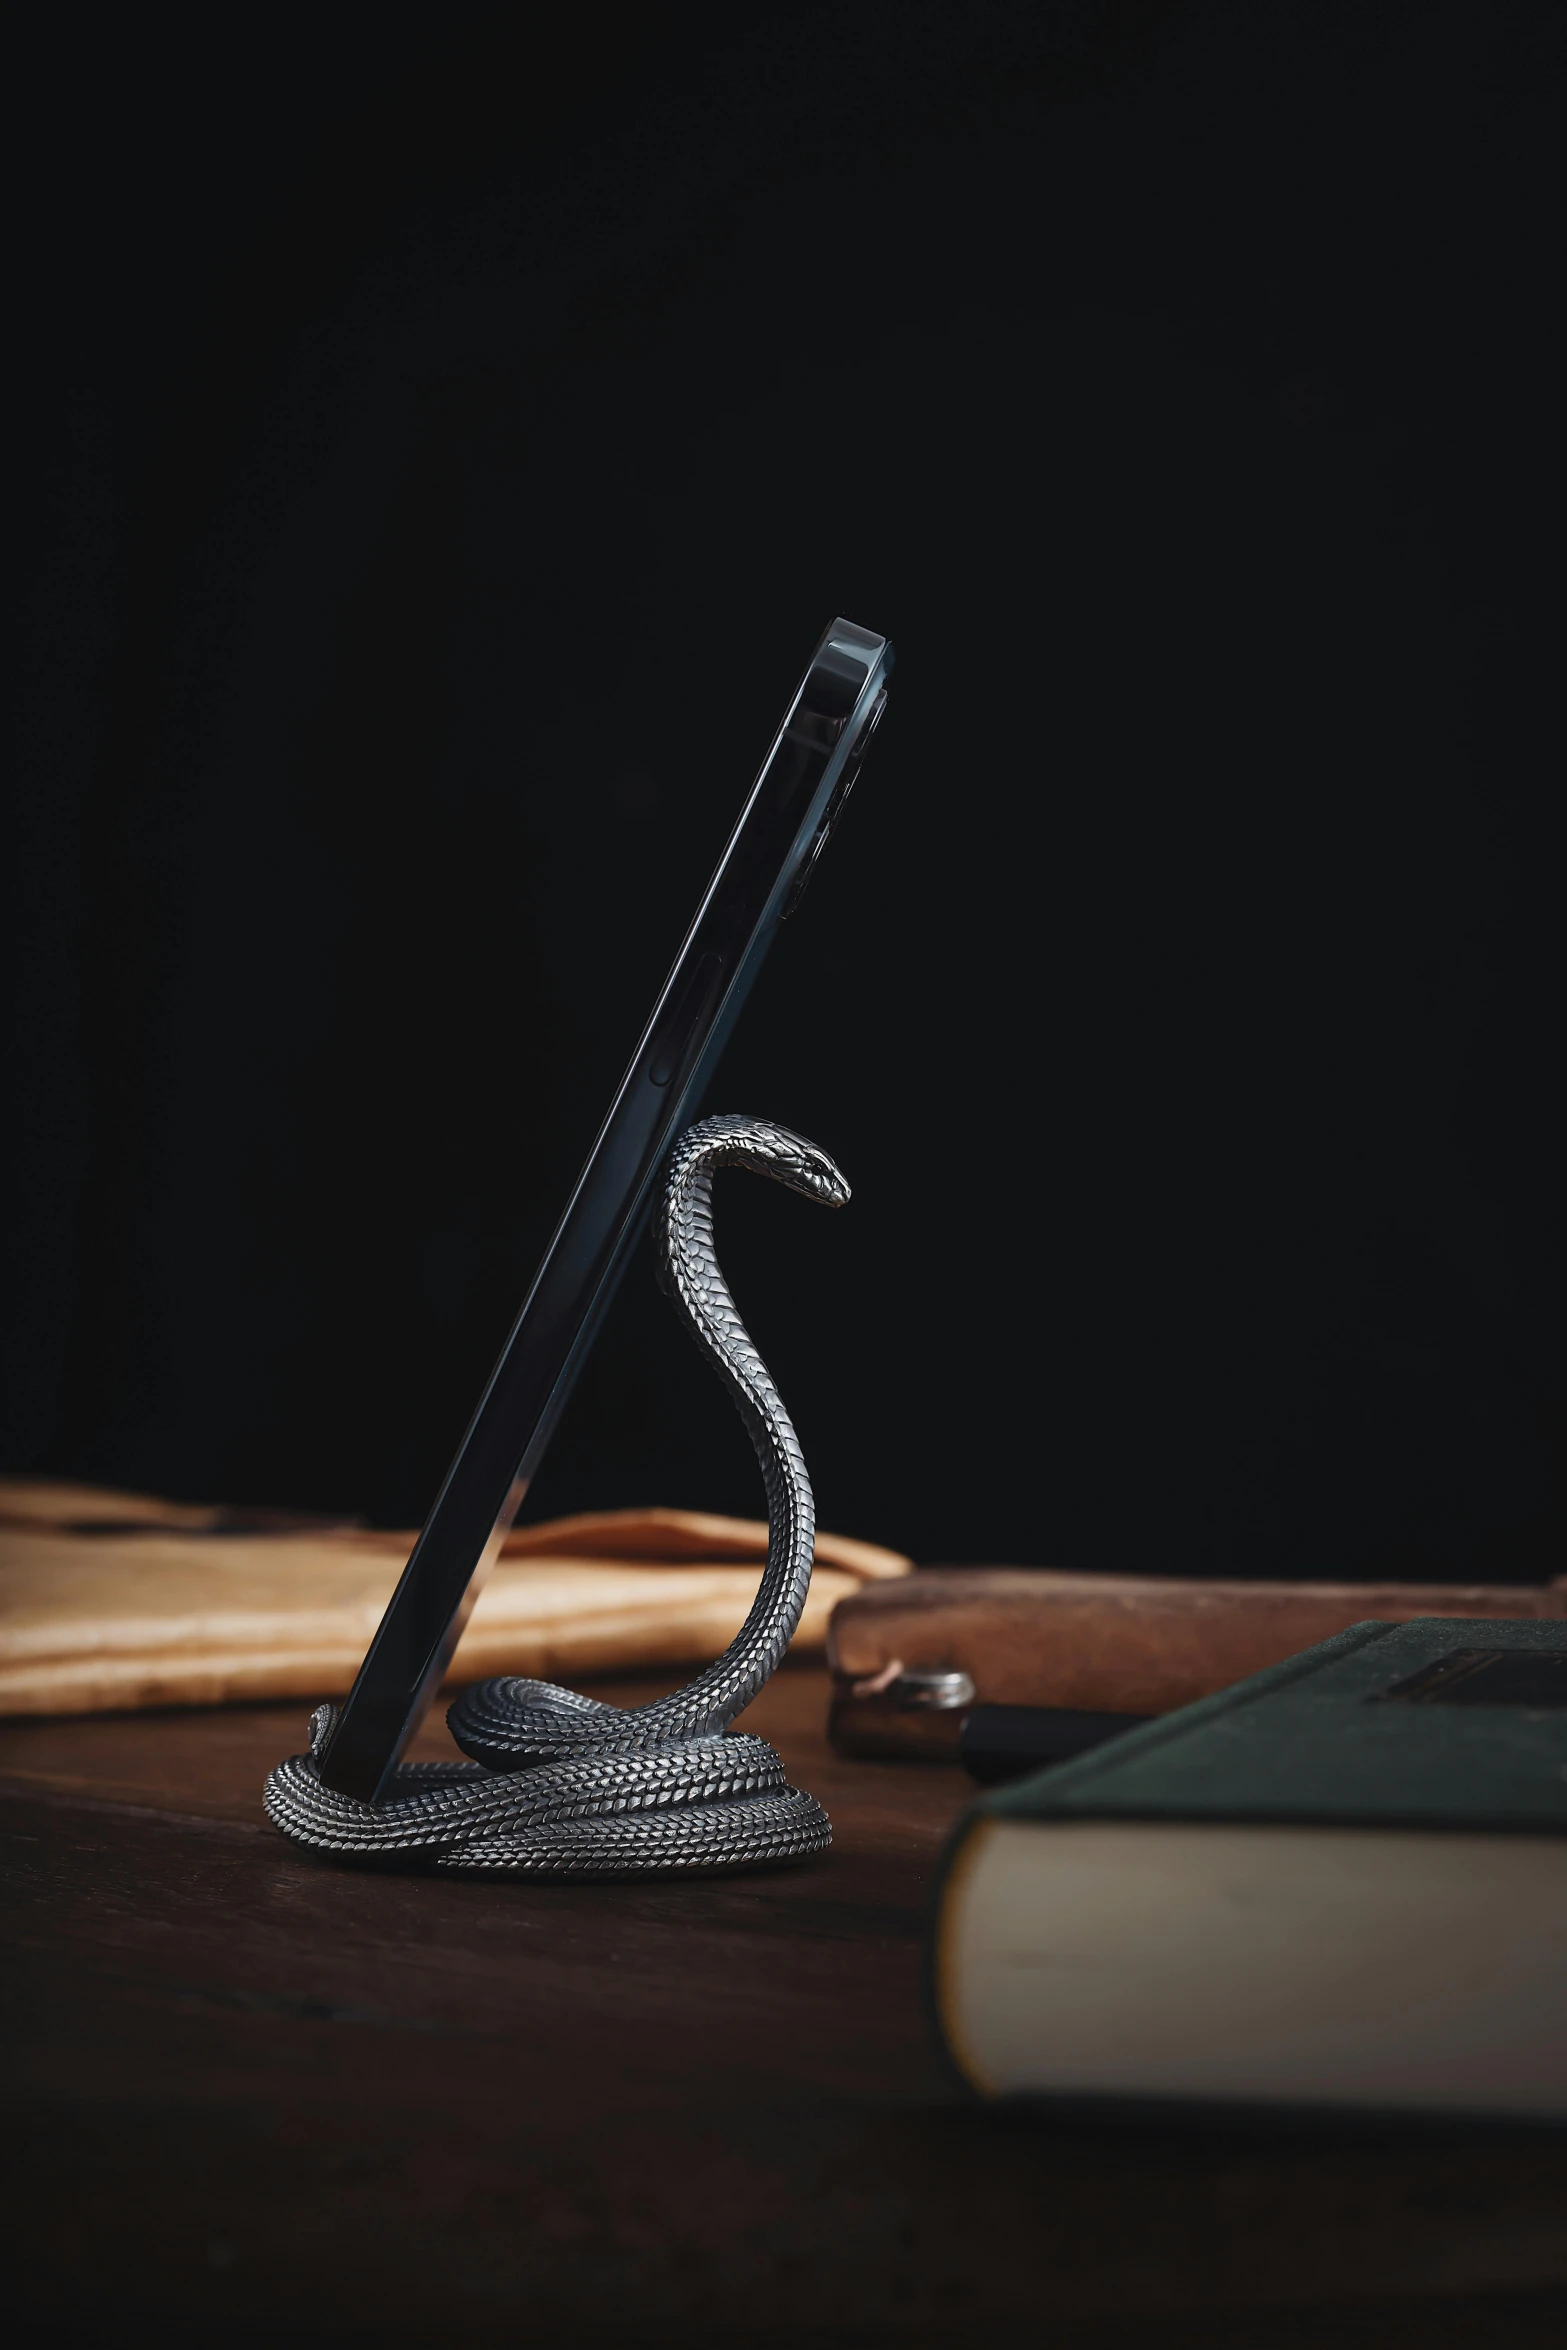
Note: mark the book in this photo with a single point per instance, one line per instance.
(1340, 1884)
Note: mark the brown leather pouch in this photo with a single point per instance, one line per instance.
(909, 1656)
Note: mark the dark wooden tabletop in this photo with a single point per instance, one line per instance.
(254, 2095)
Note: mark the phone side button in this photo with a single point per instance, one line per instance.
(670, 1043)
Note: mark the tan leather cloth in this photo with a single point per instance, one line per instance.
(117, 1600)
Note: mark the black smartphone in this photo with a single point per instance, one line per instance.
(783, 827)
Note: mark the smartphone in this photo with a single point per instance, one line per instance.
(784, 825)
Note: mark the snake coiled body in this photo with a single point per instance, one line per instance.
(563, 1785)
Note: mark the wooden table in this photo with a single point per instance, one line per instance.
(256, 2096)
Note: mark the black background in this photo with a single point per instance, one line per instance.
(441, 434)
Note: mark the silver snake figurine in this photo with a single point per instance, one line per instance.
(563, 1785)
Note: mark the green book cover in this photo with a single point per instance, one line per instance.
(1441, 1722)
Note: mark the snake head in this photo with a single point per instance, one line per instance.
(805, 1168)
(772, 1150)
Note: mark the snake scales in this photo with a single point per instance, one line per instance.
(562, 1785)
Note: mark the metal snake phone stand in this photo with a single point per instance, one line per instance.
(562, 1785)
